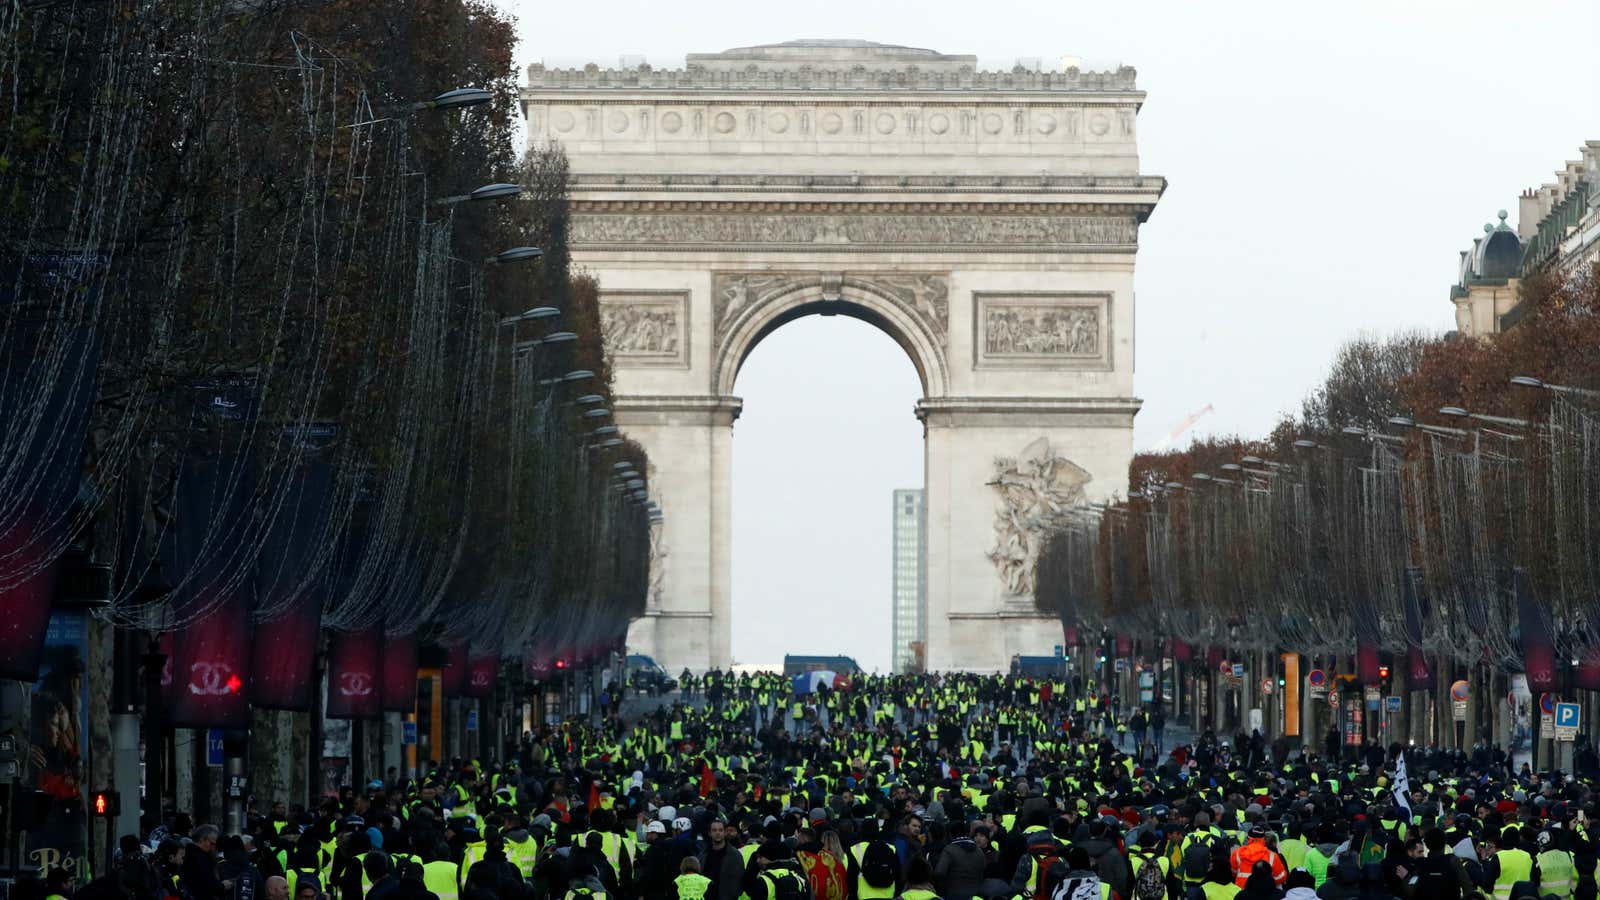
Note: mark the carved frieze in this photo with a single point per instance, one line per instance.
(1033, 231)
(1034, 488)
(887, 78)
(1043, 330)
(645, 328)
(925, 296)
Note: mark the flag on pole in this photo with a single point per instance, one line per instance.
(1402, 787)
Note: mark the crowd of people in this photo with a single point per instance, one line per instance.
(915, 787)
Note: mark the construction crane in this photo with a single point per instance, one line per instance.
(1183, 426)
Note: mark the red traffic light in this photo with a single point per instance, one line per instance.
(561, 664)
(105, 803)
(1383, 671)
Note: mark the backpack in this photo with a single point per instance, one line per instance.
(880, 864)
(1436, 878)
(1086, 887)
(1043, 863)
(1150, 884)
(1197, 858)
(788, 884)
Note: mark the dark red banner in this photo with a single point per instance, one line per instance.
(1214, 656)
(482, 672)
(354, 670)
(1069, 633)
(1182, 652)
(49, 379)
(211, 668)
(285, 657)
(400, 674)
(1587, 675)
(27, 603)
(1538, 650)
(1124, 645)
(454, 677)
(1419, 670)
(1367, 664)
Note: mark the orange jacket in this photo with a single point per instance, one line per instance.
(1245, 858)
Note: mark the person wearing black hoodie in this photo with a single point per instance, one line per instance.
(959, 872)
(1344, 882)
(1105, 858)
(135, 873)
(235, 870)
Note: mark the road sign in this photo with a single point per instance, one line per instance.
(472, 720)
(1547, 712)
(1333, 699)
(214, 747)
(1266, 686)
(1061, 651)
(1460, 691)
(408, 732)
(1393, 703)
(1317, 680)
(1238, 670)
(1566, 725)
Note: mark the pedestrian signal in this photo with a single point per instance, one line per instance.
(105, 803)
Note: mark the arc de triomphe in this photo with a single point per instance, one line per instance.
(987, 221)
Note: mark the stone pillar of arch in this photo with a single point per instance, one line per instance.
(987, 222)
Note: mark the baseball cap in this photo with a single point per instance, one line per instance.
(656, 827)
(681, 823)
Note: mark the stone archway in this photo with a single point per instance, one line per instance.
(911, 308)
(988, 222)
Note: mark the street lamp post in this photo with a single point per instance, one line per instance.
(1530, 381)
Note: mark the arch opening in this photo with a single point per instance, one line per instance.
(826, 436)
(754, 324)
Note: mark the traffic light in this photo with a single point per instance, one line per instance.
(1383, 672)
(561, 664)
(105, 804)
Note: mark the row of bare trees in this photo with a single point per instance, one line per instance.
(264, 353)
(1436, 498)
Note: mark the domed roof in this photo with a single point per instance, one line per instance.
(835, 44)
(835, 52)
(1499, 253)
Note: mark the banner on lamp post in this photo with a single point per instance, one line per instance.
(354, 671)
(400, 674)
(483, 670)
(453, 678)
(211, 669)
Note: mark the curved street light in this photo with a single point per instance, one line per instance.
(515, 254)
(1530, 381)
(460, 98)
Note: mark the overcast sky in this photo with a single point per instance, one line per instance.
(1327, 162)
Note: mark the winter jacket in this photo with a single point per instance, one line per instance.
(959, 872)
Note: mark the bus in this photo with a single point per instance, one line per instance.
(841, 665)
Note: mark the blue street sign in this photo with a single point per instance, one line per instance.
(1393, 703)
(408, 732)
(472, 720)
(214, 747)
(1060, 651)
(1567, 715)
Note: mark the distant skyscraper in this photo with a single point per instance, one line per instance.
(910, 579)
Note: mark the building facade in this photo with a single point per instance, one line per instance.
(1558, 228)
(988, 222)
(910, 627)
